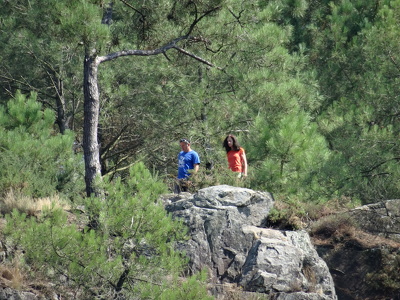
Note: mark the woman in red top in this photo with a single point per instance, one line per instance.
(236, 156)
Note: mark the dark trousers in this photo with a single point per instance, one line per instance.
(181, 185)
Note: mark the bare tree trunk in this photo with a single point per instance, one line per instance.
(61, 120)
(91, 145)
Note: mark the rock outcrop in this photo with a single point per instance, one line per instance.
(362, 250)
(11, 294)
(229, 239)
(381, 218)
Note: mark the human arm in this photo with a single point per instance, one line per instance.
(196, 162)
(244, 163)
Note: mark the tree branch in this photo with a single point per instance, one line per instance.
(394, 61)
(197, 20)
(113, 141)
(161, 50)
(378, 165)
(157, 51)
(166, 47)
(130, 6)
(196, 57)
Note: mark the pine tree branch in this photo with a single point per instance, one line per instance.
(132, 7)
(114, 141)
(198, 19)
(393, 60)
(171, 45)
(198, 58)
(377, 166)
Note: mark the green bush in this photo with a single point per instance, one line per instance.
(34, 160)
(131, 251)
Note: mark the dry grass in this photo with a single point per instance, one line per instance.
(332, 225)
(339, 227)
(28, 205)
(11, 274)
(376, 255)
(309, 274)
(294, 214)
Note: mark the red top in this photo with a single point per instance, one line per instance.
(235, 160)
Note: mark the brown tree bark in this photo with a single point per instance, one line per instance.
(91, 147)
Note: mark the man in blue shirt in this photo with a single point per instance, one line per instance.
(188, 162)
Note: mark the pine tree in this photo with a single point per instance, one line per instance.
(358, 77)
(37, 55)
(34, 160)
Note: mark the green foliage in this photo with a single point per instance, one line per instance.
(130, 253)
(58, 248)
(218, 175)
(34, 160)
(38, 56)
(293, 154)
(293, 74)
(359, 124)
(81, 20)
(287, 214)
(180, 289)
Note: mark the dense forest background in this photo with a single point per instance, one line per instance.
(310, 87)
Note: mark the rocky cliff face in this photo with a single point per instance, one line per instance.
(229, 239)
(381, 219)
(362, 249)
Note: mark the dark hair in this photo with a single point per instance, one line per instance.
(184, 141)
(235, 145)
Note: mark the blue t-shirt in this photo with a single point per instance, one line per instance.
(186, 162)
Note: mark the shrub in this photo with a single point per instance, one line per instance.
(34, 160)
(131, 251)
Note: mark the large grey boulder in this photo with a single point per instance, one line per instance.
(229, 239)
(215, 217)
(287, 263)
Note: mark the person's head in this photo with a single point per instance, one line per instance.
(231, 143)
(185, 145)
